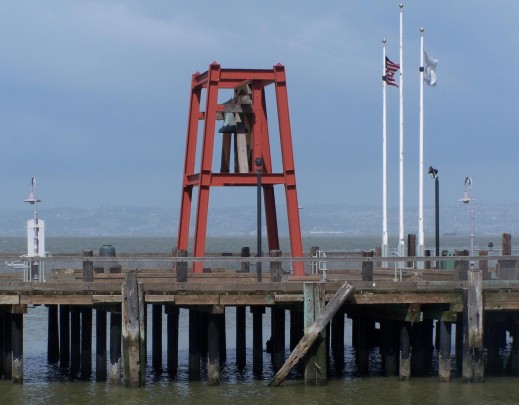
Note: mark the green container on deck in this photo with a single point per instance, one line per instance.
(447, 265)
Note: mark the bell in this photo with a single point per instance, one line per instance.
(229, 124)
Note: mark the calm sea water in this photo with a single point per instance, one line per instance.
(50, 385)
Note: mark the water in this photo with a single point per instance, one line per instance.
(50, 385)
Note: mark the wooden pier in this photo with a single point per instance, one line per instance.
(409, 314)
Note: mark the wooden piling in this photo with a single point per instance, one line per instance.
(473, 349)
(115, 348)
(2, 338)
(156, 361)
(172, 312)
(444, 353)
(513, 363)
(220, 323)
(240, 337)
(338, 340)
(52, 335)
(313, 332)
(7, 355)
(420, 338)
(316, 372)
(64, 336)
(257, 339)
(101, 356)
(194, 345)
(75, 340)
(491, 336)
(213, 350)
(390, 346)
(405, 351)
(86, 342)
(134, 342)
(278, 337)
(296, 326)
(17, 347)
(360, 335)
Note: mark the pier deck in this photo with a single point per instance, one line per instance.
(396, 310)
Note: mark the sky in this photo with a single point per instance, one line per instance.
(94, 96)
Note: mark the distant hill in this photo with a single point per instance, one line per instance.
(241, 220)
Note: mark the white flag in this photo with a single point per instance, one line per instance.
(429, 74)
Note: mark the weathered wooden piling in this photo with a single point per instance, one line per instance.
(444, 352)
(156, 342)
(2, 338)
(241, 345)
(115, 347)
(338, 340)
(75, 339)
(277, 337)
(316, 372)
(213, 349)
(52, 335)
(7, 354)
(360, 333)
(220, 322)
(473, 366)
(296, 325)
(491, 338)
(101, 355)
(64, 336)
(17, 346)
(390, 346)
(194, 345)
(134, 340)
(513, 362)
(172, 312)
(86, 342)
(405, 351)
(257, 339)
(314, 331)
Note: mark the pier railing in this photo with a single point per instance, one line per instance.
(330, 265)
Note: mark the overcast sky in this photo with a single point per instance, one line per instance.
(94, 96)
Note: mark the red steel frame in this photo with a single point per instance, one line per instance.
(213, 80)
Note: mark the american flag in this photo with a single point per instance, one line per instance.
(391, 69)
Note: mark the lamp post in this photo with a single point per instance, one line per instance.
(467, 197)
(434, 173)
(259, 167)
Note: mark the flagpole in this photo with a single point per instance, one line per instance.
(384, 159)
(420, 251)
(401, 243)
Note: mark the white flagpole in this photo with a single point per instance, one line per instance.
(401, 243)
(384, 159)
(420, 251)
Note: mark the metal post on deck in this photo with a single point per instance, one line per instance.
(259, 166)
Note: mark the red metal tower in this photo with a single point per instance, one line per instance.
(248, 113)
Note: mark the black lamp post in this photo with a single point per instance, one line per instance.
(434, 173)
(259, 167)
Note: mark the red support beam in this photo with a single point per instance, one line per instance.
(211, 82)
